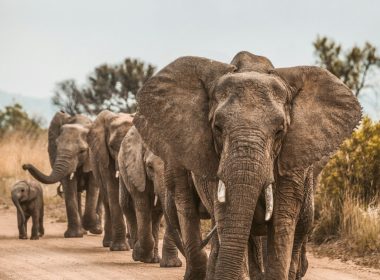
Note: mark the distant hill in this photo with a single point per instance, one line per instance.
(34, 106)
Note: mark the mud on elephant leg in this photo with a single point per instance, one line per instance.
(169, 250)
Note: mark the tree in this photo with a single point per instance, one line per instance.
(351, 66)
(111, 87)
(69, 97)
(14, 118)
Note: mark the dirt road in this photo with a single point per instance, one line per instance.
(54, 257)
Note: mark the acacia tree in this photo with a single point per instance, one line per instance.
(111, 87)
(352, 66)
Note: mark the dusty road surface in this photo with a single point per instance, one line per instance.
(54, 257)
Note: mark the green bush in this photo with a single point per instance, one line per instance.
(351, 180)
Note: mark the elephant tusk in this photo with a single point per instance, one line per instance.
(155, 200)
(221, 192)
(268, 202)
(72, 176)
(208, 237)
(117, 174)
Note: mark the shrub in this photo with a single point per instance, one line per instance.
(347, 199)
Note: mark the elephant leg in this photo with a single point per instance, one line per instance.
(35, 225)
(119, 241)
(107, 238)
(169, 249)
(90, 219)
(213, 257)
(156, 222)
(74, 227)
(127, 207)
(304, 264)
(41, 222)
(303, 229)
(144, 247)
(189, 221)
(281, 234)
(22, 234)
(256, 258)
(79, 200)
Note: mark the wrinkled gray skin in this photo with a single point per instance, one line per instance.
(143, 197)
(246, 124)
(27, 196)
(69, 158)
(104, 139)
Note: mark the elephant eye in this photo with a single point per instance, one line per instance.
(22, 190)
(218, 128)
(280, 131)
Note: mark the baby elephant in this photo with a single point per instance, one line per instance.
(27, 196)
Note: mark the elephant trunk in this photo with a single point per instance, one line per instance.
(60, 170)
(243, 176)
(16, 202)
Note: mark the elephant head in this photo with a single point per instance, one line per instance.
(106, 135)
(68, 148)
(244, 124)
(140, 164)
(22, 192)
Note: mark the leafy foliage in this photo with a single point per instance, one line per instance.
(351, 66)
(111, 87)
(14, 118)
(352, 174)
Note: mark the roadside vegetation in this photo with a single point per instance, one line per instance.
(348, 198)
(22, 140)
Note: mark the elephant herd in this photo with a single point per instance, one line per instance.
(240, 143)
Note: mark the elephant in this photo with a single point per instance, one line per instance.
(27, 196)
(104, 138)
(143, 196)
(69, 159)
(240, 128)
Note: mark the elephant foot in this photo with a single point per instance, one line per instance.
(73, 233)
(131, 242)
(119, 246)
(141, 255)
(34, 237)
(107, 243)
(195, 274)
(23, 236)
(170, 262)
(94, 228)
(41, 233)
(97, 230)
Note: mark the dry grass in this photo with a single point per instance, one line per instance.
(358, 231)
(16, 149)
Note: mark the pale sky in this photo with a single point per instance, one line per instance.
(46, 41)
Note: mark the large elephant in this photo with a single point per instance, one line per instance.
(104, 138)
(239, 128)
(69, 159)
(143, 197)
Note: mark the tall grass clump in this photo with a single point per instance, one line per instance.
(347, 198)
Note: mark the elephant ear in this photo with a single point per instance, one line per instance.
(131, 158)
(173, 109)
(96, 138)
(323, 113)
(248, 62)
(56, 123)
